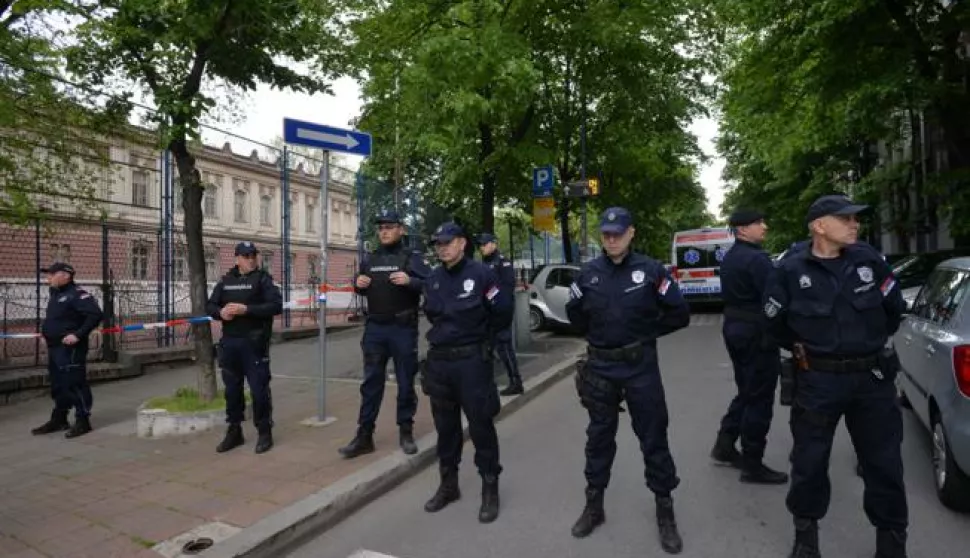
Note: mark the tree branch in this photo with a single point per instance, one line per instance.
(193, 83)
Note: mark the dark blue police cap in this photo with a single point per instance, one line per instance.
(58, 266)
(485, 238)
(836, 204)
(387, 216)
(446, 232)
(743, 217)
(246, 248)
(615, 220)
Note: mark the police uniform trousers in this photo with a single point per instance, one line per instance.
(757, 366)
(381, 342)
(639, 383)
(67, 367)
(875, 426)
(245, 360)
(502, 343)
(461, 379)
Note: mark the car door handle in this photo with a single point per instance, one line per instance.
(931, 349)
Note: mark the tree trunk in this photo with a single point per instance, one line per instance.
(191, 184)
(488, 177)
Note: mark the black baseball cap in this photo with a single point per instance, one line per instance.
(387, 216)
(58, 266)
(485, 238)
(615, 220)
(834, 204)
(246, 248)
(446, 232)
(743, 217)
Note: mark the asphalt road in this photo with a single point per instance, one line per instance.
(542, 487)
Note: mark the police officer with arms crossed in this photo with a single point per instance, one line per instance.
(623, 301)
(391, 278)
(463, 301)
(72, 314)
(835, 306)
(502, 339)
(245, 300)
(754, 354)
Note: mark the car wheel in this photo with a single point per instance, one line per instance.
(952, 484)
(536, 319)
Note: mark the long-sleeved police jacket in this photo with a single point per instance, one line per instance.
(262, 298)
(70, 310)
(464, 304)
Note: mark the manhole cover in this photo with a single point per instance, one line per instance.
(196, 546)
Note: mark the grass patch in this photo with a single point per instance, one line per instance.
(143, 542)
(187, 400)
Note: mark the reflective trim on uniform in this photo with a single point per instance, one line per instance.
(574, 291)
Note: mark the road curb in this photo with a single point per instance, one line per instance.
(285, 529)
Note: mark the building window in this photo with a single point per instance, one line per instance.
(268, 261)
(240, 201)
(211, 262)
(180, 263)
(266, 211)
(310, 213)
(139, 260)
(61, 253)
(139, 187)
(211, 183)
(313, 266)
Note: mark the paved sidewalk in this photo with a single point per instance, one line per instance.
(111, 494)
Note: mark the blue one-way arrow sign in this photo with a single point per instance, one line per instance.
(328, 138)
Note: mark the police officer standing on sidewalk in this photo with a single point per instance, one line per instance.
(391, 278)
(754, 354)
(502, 339)
(246, 301)
(623, 301)
(72, 314)
(835, 306)
(464, 302)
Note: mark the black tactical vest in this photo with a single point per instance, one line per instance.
(385, 299)
(244, 289)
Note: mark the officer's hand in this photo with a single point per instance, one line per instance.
(400, 278)
(236, 308)
(363, 281)
(70, 339)
(226, 314)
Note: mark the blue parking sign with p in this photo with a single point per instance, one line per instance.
(542, 182)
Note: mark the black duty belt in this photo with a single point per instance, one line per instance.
(455, 352)
(842, 365)
(401, 317)
(626, 353)
(743, 314)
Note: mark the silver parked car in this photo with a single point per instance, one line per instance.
(548, 295)
(933, 344)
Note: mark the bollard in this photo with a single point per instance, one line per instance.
(523, 337)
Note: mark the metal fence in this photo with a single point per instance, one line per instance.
(128, 244)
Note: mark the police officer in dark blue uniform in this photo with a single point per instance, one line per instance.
(754, 354)
(246, 300)
(835, 306)
(391, 278)
(464, 302)
(72, 314)
(622, 302)
(502, 339)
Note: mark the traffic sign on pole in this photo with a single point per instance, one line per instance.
(542, 182)
(327, 138)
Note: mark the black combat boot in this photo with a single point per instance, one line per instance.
(724, 451)
(756, 472)
(233, 439)
(806, 539)
(489, 510)
(515, 386)
(890, 544)
(81, 426)
(447, 492)
(57, 422)
(362, 443)
(593, 515)
(265, 441)
(407, 440)
(670, 539)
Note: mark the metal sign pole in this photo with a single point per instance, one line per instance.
(322, 294)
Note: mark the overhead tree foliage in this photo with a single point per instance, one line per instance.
(814, 87)
(468, 96)
(176, 53)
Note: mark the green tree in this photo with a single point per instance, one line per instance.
(177, 52)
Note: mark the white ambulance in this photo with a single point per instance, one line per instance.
(696, 262)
